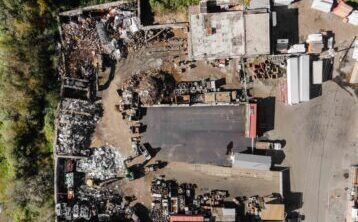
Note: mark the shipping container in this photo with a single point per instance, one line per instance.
(292, 81)
(304, 78)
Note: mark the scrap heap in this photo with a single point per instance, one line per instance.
(171, 199)
(152, 86)
(80, 45)
(204, 91)
(156, 87)
(91, 201)
(254, 206)
(96, 205)
(76, 122)
(89, 34)
(105, 163)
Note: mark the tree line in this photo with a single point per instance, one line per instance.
(29, 90)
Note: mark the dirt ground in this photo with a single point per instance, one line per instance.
(321, 144)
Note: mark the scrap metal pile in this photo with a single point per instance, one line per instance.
(96, 205)
(75, 124)
(253, 206)
(104, 163)
(85, 38)
(152, 86)
(171, 198)
(80, 45)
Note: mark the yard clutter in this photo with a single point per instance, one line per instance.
(152, 86)
(76, 122)
(105, 163)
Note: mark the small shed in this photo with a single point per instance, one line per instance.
(251, 161)
(342, 9)
(322, 5)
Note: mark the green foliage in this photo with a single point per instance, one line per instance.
(171, 5)
(28, 101)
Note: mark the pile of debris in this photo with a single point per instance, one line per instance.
(104, 163)
(86, 37)
(76, 122)
(97, 205)
(124, 26)
(213, 199)
(152, 86)
(170, 197)
(80, 45)
(194, 87)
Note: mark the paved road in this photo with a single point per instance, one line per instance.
(196, 134)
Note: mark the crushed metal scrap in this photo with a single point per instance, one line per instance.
(75, 124)
(104, 163)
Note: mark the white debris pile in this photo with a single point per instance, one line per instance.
(80, 106)
(105, 163)
(75, 124)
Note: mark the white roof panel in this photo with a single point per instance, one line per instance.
(304, 77)
(292, 81)
(317, 76)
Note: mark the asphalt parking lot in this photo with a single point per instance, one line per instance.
(196, 134)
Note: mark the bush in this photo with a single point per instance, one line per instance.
(172, 5)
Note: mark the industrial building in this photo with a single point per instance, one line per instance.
(227, 34)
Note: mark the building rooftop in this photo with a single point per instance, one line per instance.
(228, 34)
(257, 33)
(216, 35)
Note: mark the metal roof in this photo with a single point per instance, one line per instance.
(251, 161)
(322, 5)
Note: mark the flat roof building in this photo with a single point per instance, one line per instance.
(228, 34)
